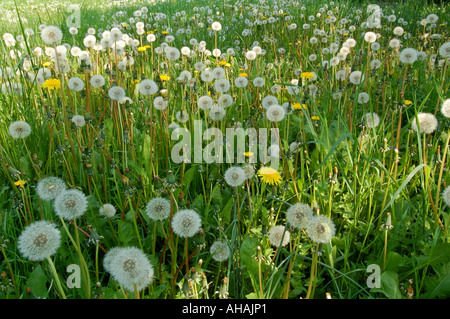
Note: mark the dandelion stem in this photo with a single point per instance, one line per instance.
(313, 271)
(55, 276)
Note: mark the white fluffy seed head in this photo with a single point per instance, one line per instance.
(75, 84)
(446, 196)
(356, 77)
(268, 101)
(445, 108)
(50, 187)
(216, 26)
(19, 129)
(222, 85)
(78, 120)
(217, 113)
(408, 56)
(241, 82)
(130, 267)
(279, 236)
(148, 87)
(371, 120)
(158, 208)
(51, 35)
(97, 81)
(186, 223)
(235, 176)
(299, 215)
(444, 50)
(275, 113)
(70, 204)
(204, 102)
(107, 210)
(321, 229)
(116, 93)
(220, 251)
(428, 123)
(39, 240)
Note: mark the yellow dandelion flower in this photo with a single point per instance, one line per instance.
(224, 63)
(142, 49)
(408, 102)
(307, 75)
(165, 32)
(164, 77)
(147, 46)
(248, 154)
(315, 118)
(46, 64)
(345, 34)
(243, 74)
(269, 176)
(51, 84)
(298, 106)
(20, 183)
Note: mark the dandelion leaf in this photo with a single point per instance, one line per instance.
(37, 282)
(389, 285)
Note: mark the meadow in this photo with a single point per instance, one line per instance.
(224, 149)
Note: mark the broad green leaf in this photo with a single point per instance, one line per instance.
(394, 261)
(37, 282)
(439, 284)
(216, 195)
(389, 285)
(226, 211)
(127, 234)
(248, 253)
(441, 254)
(189, 177)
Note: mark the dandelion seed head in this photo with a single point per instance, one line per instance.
(408, 56)
(51, 35)
(279, 236)
(75, 84)
(428, 123)
(158, 208)
(19, 129)
(70, 204)
(371, 120)
(186, 223)
(217, 113)
(320, 229)
(220, 251)
(234, 176)
(148, 87)
(445, 108)
(78, 120)
(299, 215)
(39, 240)
(107, 210)
(116, 93)
(49, 187)
(275, 113)
(129, 267)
